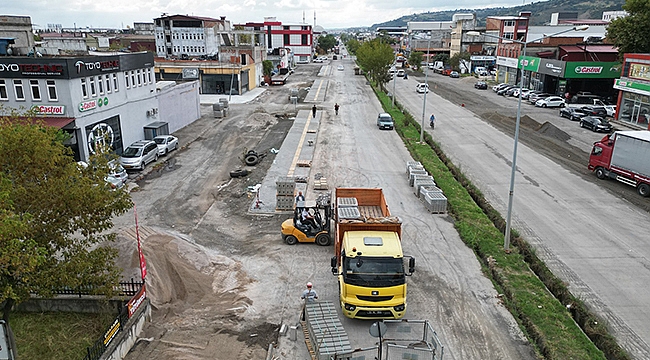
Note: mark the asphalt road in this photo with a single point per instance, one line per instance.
(593, 240)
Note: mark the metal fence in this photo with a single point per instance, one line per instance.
(368, 353)
(124, 288)
(412, 339)
(128, 309)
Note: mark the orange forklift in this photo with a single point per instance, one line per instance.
(316, 229)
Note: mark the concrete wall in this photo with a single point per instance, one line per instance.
(179, 105)
(71, 304)
(124, 341)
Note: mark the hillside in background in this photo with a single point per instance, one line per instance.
(541, 12)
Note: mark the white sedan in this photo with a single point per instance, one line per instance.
(551, 101)
(340, 68)
(166, 143)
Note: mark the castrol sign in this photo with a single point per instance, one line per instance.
(49, 109)
(589, 69)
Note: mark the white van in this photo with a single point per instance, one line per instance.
(481, 71)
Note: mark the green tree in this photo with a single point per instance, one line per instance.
(416, 58)
(375, 57)
(327, 42)
(442, 57)
(353, 45)
(454, 61)
(631, 34)
(267, 67)
(55, 215)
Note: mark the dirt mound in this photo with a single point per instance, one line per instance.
(261, 120)
(550, 130)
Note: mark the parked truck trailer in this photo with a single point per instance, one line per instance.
(368, 260)
(623, 156)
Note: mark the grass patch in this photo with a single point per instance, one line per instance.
(59, 335)
(555, 322)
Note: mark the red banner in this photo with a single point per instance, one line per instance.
(143, 262)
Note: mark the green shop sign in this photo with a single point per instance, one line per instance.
(529, 63)
(592, 70)
(632, 86)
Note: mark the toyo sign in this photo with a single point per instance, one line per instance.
(592, 70)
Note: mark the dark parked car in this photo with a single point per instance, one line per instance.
(503, 90)
(573, 114)
(482, 85)
(595, 123)
(594, 110)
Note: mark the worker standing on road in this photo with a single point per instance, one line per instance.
(336, 108)
(310, 294)
(313, 111)
(432, 121)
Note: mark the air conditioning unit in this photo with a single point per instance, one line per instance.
(150, 112)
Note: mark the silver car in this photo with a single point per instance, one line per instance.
(166, 143)
(139, 154)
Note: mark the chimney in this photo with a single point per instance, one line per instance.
(526, 14)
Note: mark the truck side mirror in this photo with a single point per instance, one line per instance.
(412, 265)
(333, 264)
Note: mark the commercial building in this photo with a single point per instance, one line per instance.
(297, 38)
(634, 91)
(112, 100)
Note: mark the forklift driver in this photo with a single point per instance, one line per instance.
(308, 219)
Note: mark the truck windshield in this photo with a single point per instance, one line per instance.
(373, 271)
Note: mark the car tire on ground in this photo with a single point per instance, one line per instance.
(323, 239)
(251, 159)
(238, 173)
(291, 240)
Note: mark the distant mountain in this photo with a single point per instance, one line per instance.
(541, 12)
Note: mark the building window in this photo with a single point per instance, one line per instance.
(508, 35)
(84, 90)
(108, 83)
(304, 39)
(100, 85)
(36, 91)
(51, 90)
(286, 39)
(3, 91)
(133, 78)
(139, 77)
(509, 23)
(115, 83)
(18, 87)
(149, 75)
(93, 91)
(126, 77)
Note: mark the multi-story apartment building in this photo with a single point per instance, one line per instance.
(298, 38)
(96, 99)
(179, 36)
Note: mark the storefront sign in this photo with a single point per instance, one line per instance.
(89, 67)
(551, 67)
(49, 109)
(507, 62)
(190, 73)
(23, 69)
(632, 86)
(112, 331)
(592, 70)
(639, 71)
(87, 105)
(482, 58)
(529, 63)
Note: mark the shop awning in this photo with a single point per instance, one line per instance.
(58, 122)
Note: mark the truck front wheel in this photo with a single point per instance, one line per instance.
(600, 173)
(643, 190)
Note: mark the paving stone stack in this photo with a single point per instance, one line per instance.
(326, 332)
(285, 193)
(425, 188)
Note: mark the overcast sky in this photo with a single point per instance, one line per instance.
(329, 13)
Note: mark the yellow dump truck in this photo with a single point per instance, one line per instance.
(368, 260)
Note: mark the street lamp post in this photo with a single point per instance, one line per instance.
(511, 193)
(426, 90)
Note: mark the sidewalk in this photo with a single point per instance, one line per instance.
(209, 99)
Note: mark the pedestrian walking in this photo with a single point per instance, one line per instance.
(313, 111)
(336, 108)
(300, 201)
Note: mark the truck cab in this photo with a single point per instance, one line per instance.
(372, 279)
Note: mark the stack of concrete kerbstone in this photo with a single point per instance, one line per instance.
(425, 188)
(285, 193)
(225, 105)
(326, 331)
